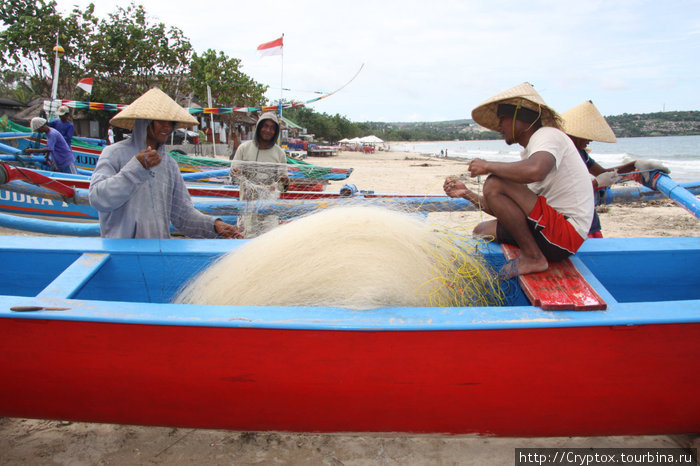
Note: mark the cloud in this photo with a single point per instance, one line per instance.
(437, 60)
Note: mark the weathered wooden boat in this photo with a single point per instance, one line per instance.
(23, 199)
(89, 335)
(304, 176)
(51, 196)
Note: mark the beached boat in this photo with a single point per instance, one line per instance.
(89, 335)
(53, 196)
(304, 176)
(52, 212)
(20, 198)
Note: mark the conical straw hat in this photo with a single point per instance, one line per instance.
(153, 105)
(523, 94)
(585, 121)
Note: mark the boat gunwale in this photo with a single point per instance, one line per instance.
(334, 318)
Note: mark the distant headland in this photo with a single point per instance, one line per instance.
(681, 123)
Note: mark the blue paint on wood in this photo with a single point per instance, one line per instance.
(651, 281)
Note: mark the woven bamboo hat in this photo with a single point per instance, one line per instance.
(585, 121)
(153, 105)
(523, 95)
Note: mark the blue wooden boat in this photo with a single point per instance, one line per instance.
(54, 214)
(89, 335)
(26, 193)
(303, 176)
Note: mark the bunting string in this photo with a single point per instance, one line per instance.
(81, 105)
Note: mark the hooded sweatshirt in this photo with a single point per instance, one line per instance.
(134, 202)
(271, 162)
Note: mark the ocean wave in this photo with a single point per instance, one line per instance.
(680, 154)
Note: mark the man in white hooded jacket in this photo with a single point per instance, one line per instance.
(137, 188)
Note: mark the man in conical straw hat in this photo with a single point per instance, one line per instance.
(137, 188)
(542, 203)
(584, 123)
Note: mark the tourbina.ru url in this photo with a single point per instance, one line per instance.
(606, 456)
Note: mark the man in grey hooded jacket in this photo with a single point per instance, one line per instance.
(259, 168)
(137, 188)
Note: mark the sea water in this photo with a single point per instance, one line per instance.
(681, 154)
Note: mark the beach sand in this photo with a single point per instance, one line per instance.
(409, 172)
(28, 441)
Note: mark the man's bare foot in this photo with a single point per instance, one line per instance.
(532, 265)
(521, 266)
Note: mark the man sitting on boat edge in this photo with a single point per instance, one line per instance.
(583, 124)
(542, 203)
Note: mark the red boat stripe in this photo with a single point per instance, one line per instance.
(46, 211)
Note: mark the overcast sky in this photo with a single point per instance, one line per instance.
(433, 60)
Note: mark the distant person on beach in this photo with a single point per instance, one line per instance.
(542, 203)
(259, 168)
(234, 144)
(137, 188)
(62, 156)
(110, 135)
(63, 124)
(584, 123)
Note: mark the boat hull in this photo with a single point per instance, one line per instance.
(303, 176)
(610, 380)
(103, 344)
(17, 203)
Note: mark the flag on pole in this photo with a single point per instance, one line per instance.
(271, 48)
(85, 84)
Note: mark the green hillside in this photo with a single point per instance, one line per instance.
(626, 125)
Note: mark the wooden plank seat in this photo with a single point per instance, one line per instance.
(560, 287)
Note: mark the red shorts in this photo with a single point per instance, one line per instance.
(555, 236)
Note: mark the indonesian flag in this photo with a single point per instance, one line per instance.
(85, 84)
(271, 48)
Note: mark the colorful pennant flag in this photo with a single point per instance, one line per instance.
(271, 48)
(85, 84)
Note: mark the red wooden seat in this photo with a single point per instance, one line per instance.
(560, 287)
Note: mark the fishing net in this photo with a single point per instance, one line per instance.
(354, 257)
(325, 241)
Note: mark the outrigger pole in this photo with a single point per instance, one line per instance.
(677, 193)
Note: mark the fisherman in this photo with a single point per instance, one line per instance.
(260, 169)
(62, 156)
(63, 125)
(584, 123)
(542, 203)
(137, 188)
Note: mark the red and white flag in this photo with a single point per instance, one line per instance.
(85, 84)
(271, 48)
